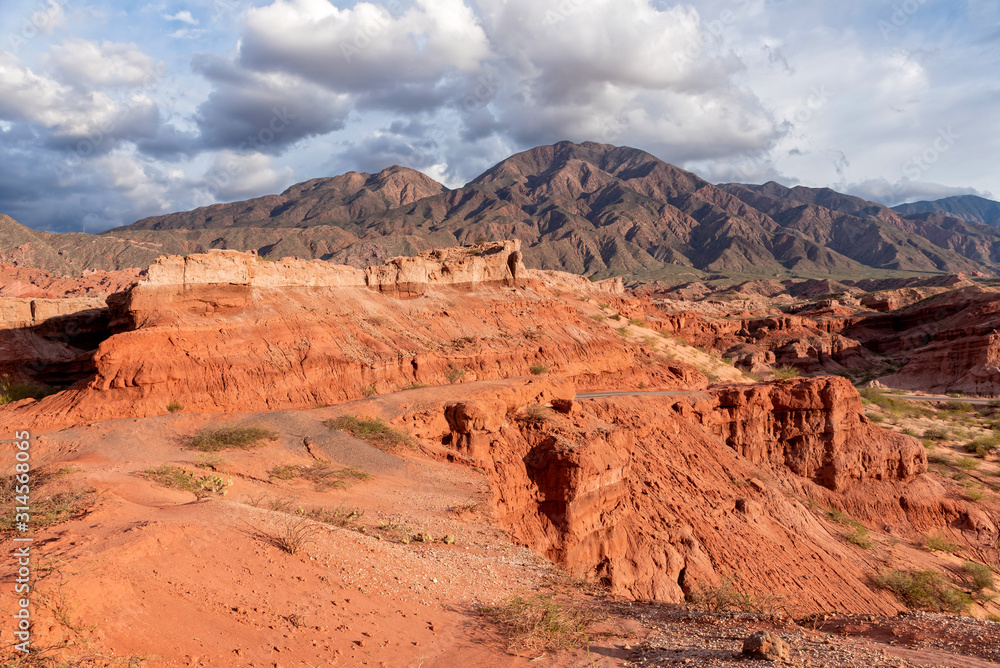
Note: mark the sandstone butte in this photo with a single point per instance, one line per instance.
(652, 495)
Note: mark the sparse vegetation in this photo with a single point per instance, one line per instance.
(454, 374)
(967, 463)
(538, 368)
(940, 542)
(230, 437)
(173, 407)
(637, 322)
(322, 475)
(345, 518)
(924, 590)
(860, 537)
(413, 386)
(785, 372)
(597, 317)
(369, 390)
(374, 431)
(295, 534)
(981, 576)
(936, 434)
(730, 594)
(892, 406)
(12, 390)
(44, 509)
(209, 461)
(174, 477)
(540, 623)
(536, 414)
(984, 446)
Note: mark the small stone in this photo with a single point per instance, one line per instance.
(767, 646)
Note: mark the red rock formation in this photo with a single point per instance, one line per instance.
(231, 331)
(657, 494)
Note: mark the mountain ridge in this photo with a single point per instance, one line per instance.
(585, 208)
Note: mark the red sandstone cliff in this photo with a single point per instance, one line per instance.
(656, 494)
(230, 331)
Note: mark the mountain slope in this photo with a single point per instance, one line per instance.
(585, 208)
(327, 201)
(970, 208)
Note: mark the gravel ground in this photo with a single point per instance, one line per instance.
(680, 637)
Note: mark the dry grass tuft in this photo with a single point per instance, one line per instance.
(541, 623)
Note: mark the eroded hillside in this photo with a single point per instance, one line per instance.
(416, 431)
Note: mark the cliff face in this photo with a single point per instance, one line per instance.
(657, 494)
(50, 340)
(231, 331)
(489, 264)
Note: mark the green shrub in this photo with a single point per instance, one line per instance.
(940, 542)
(369, 390)
(12, 390)
(637, 322)
(937, 434)
(323, 475)
(924, 590)
(894, 406)
(173, 407)
(860, 537)
(967, 463)
(413, 386)
(784, 372)
(538, 368)
(984, 446)
(230, 437)
(980, 574)
(374, 431)
(175, 477)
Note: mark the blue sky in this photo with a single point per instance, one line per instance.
(110, 113)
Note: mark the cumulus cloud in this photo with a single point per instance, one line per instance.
(87, 64)
(737, 90)
(182, 16)
(265, 112)
(236, 176)
(27, 96)
(364, 47)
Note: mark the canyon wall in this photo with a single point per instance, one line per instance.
(656, 495)
(232, 331)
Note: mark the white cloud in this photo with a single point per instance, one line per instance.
(236, 176)
(187, 33)
(364, 47)
(182, 16)
(83, 63)
(27, 96)
(903, 191)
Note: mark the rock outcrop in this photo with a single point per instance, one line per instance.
(233, 331)
(51, 340)
(658, 494)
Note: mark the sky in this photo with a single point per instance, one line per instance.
(109, 113)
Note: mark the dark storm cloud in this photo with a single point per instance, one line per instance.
(251, 111)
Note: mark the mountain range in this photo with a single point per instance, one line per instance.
(585, 208)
